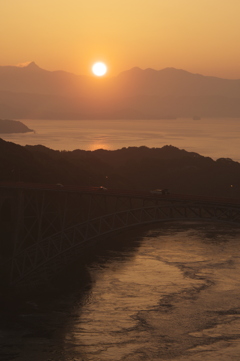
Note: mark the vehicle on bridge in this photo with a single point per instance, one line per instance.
(160, 191)
(59, 185)
(101, 188)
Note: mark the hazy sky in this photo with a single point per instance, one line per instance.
(201, 36)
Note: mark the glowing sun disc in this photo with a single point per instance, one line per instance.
(99, 69)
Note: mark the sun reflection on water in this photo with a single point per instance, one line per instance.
(99, 145)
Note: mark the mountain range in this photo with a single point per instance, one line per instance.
(34, 93)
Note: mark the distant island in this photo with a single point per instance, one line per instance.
(8, 126)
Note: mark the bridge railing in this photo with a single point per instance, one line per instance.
(120, 192)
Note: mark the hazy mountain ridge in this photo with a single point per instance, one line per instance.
(32, 92)
(137, 168)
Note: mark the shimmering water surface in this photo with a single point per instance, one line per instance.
(215, 138)
(167, 293)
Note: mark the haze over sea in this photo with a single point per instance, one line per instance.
(213, 137)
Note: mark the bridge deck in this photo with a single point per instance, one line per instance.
(119, 192)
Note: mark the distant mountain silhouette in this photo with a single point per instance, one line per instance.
(31, 92)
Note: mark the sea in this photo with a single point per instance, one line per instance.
(210, 137)
(169, 291)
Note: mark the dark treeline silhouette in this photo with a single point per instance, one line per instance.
(138, 168)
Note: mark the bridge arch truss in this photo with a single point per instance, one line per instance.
(47, 256)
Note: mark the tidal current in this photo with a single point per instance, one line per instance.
(171, 292)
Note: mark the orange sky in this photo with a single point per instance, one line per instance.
(201, 36)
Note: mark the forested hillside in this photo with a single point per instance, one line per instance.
(128, 168)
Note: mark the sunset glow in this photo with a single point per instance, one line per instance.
(99, 69)
(197, 36)
(120, 180)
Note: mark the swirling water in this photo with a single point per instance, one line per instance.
(166, 293)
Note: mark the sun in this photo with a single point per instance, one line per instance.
(99, 69)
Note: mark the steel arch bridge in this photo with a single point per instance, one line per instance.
(48, 226)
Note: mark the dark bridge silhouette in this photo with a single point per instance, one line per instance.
(44, 227)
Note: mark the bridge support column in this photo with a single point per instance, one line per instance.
(18, 222)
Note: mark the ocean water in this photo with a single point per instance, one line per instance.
(216, 138)
(170, 292)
